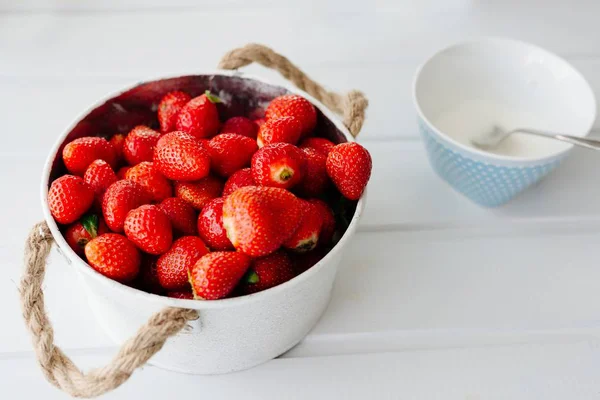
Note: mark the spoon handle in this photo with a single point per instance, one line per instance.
(578, 141)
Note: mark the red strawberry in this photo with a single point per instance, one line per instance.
(120, 198)
(215, 275)
(239, 179)
(157, 186)
(200, 192)
(304, 261)
(80, 153)
(279, 130)
(230, 152)
(117, 142)
(173, 266)
(315, 179)
(267, 272)
(113, 256)
(69, 198)
(139, 144)
(259, 122)
(279, 165)
(169, 107)
(204, 142)
(328, 228)
(320, 144)
(199, 117)
(292, 105)
(179, 156)
(149, 229)
(349, 167)
(181, 214)
(305, 238)
(99, 176)
(184, 295)
(210, 225)
(259, 219)
(80, 233)
(122, 172)
(240, 126)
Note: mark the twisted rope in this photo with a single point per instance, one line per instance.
(352, 106)
(56, 366)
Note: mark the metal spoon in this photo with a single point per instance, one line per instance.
(494, 137)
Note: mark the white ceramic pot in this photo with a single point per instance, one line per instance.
(231, 334)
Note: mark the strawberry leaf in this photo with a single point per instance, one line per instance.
(212, 98)
(251, 277)
(90, 224)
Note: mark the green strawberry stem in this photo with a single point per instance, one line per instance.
(212, 98)
(90, 224)
(285, 175)
(251, 277)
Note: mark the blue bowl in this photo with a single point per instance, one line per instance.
(467, 88)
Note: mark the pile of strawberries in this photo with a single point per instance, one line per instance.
(204, 209)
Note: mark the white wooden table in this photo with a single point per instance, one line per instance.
(437, 298)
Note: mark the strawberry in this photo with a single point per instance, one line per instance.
(204, 143)
(279, 130)
(120, 198)
(239, 179)
(215, 275)
(157, 186)
(114, 256)
(279, 165)
(328, 228)
(259, 122)
(99, 176)
(349, 167)
(210, 225)
(139, 144)
(322, 145)
(292, 105)
(149, 229)
(117, 142)
(181, 214)
(230, 152)
(172, 267)
(184, 295)
(305, 238)
(122, 172)
(80, 233)
(259, 219)
(267, 272)
(198, 193)
(80, 153)
(199, 117)
(240, 126)
(169, 107)
(69, 197)
(315, 179)
(179, 156)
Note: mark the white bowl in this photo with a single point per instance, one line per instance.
(231, 334)
(465, 89)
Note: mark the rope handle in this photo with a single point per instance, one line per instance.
(151, 337)
(351, 106)
(56, 366)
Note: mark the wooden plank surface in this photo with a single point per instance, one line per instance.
(496, 373)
